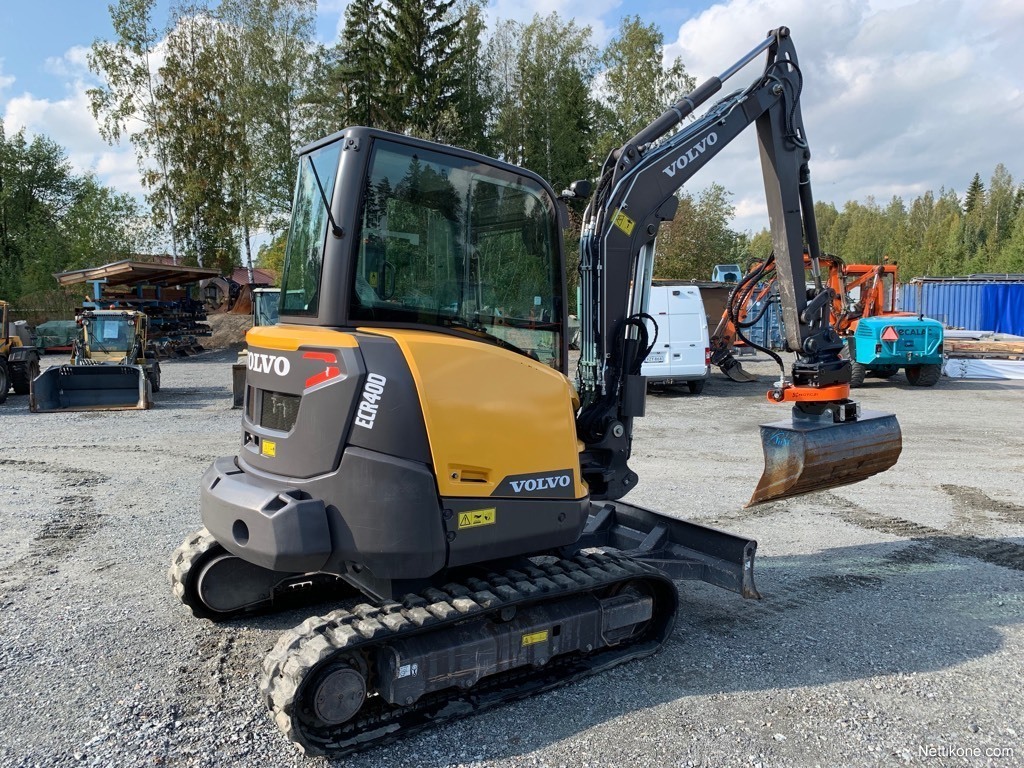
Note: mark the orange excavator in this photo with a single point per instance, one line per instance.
(858, 291)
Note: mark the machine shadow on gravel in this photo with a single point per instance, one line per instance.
(840, 615)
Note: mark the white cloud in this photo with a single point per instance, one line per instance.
(585, 12)
(73, 64)
(6, 81)
(69, 123)
(899, 97)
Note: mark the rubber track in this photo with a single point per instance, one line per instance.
(184, 559)
(300, 650)
(194, 550)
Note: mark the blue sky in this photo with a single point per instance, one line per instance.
(901, 96)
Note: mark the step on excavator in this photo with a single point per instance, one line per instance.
(410, 432)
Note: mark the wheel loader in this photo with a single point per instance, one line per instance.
(411, 437)
(19, 362)
(110, 367)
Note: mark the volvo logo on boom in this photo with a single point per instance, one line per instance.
(690, 155)
(264, 363)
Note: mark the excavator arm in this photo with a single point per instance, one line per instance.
(636, 192)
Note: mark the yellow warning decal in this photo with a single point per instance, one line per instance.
(535, 637)
(268, 448)
(477, 518)
(623, 222)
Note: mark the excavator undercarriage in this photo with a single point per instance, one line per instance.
(483, 635)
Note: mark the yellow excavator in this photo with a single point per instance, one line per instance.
(19, 362)
(411, 435)
(110, 368)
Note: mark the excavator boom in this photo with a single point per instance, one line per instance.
(636, 192)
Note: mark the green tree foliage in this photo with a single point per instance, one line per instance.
(934, 235)
(975, 196)
(242, 85)
(126, 105)
(271, 255)
(201, 143)
(544, 110)
(357, 72)
(52, 220)
(266, 49)
(698, 237)
(420, 45)
(637, 86)
(464, 122)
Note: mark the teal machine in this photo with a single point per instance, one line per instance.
(881, 345)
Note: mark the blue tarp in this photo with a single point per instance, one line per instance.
(1003, 309)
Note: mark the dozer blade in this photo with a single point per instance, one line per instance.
(90, 388)
(681, 549)
(803, 454)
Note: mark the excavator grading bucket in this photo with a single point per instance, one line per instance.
(803, 454)
(734, 370)
(90, 388)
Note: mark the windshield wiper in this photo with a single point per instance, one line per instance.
(335, 229)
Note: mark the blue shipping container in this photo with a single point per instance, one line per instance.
(977, 306)
(766, 332)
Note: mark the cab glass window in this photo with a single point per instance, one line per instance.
(456, 244)
(300, 282)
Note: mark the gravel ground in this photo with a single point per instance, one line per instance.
(890, 631)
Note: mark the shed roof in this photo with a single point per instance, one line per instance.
(129, 272)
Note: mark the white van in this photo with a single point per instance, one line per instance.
(682, 352)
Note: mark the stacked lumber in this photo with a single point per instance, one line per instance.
(984, 348)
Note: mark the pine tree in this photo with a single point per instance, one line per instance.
(359, 72)
(975, 196)
(465, 122)
(420, 44)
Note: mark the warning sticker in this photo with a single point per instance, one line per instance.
(268, 448)
(477, 517)
(623, 222)
(889, 334)
(535, 637)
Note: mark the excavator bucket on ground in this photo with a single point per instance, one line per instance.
(804, 454)
(732, 368)
(91, 388)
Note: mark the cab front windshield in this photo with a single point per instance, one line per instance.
(110, 334)
(456, 244)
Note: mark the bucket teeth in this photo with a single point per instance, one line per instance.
(801, 456)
